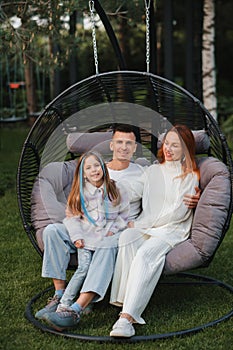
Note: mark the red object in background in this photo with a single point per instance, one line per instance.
(16, 85)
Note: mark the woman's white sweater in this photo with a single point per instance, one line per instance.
(162, 191)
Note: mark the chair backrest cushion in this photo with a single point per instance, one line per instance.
(49, 195)
(78, 142)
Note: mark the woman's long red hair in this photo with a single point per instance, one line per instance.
(188, 144)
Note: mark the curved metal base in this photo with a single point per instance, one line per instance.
(200, 280)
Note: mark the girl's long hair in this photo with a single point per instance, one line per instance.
(187, 140)
(76, 201)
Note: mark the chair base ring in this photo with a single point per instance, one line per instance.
(200, 280)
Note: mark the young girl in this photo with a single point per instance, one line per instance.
(97, 209)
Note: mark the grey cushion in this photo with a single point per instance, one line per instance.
(49, 195)
(209, 219)
(78, 142)
(202, 141)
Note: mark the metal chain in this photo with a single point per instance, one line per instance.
(147, 6)
(91, 6)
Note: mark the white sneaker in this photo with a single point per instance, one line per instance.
(122, 328)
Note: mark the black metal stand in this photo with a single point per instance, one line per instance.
(199, 280)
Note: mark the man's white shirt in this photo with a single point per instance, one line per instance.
(127, 177)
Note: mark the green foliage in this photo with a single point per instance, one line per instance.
(44, 37)
(171, 307)
(43, 21)
(227, 127)
(225, 106)
(225, 117)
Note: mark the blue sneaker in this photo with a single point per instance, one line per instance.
(62, 320)
(50, 307)
(88, 310)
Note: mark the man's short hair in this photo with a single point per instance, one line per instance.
(127, 128)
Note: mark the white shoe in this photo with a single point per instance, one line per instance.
(122, 328)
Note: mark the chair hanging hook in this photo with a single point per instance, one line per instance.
(92, 7)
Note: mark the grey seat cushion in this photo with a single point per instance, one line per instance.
(209, 219)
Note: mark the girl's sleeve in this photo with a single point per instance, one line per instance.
(121, 221)
(73, 227)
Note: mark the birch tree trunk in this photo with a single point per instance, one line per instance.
(208, 58)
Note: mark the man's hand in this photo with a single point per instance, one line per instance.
(191, 200)
(130, 224)
(79, 243)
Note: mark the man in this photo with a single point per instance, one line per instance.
(56, 242)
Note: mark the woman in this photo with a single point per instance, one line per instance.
(164, 222)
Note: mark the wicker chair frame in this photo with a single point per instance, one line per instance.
(67, 113)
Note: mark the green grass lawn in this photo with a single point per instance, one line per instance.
(171, 308)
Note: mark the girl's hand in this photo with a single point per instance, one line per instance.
(79, 243)
(130, 224)
(109, 234)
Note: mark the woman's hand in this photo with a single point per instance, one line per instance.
(130, 224)
(79, 243)
(191, 200)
